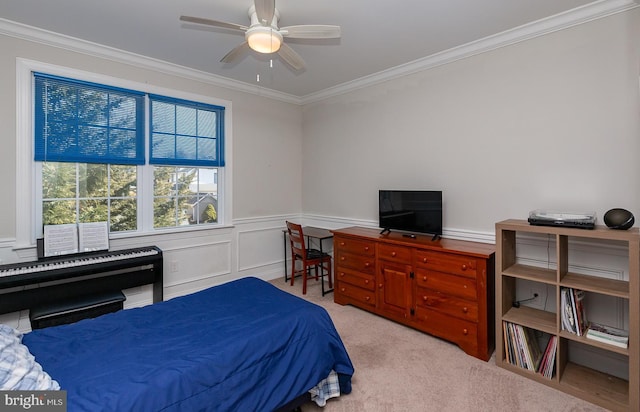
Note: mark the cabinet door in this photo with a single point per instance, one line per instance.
(394, 289)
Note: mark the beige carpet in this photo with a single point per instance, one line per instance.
(400, 369)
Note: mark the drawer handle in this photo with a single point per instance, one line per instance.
(342, 258)
(465, 286)
(367, 298)
(464, 267)
(366, 248)
(342, 289)
(341, 274)
(393, 254)
(424, 260)
(366, 282)
(465, 309)
(367, 264)
(465, 331)
(424, 278)
(341, 243)
(380, 285)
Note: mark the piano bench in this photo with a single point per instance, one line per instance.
(73, 310)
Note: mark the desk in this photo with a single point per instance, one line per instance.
(310, 232)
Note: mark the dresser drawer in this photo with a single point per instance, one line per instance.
(447, 284)
(394, 253)
(447, 304)
(462, 332)
(447, 262)
(360, 295)
(359, 247)
(358, 279)
(360, 263)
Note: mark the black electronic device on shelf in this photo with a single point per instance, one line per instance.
(554, 218)
(416, 211)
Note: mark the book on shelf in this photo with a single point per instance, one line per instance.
(521, 346)
(508, 350)
(581, 313)
(573, 313)
(547, 364)
(608, 334)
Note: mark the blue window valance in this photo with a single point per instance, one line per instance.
(77, 121)
(186, 133)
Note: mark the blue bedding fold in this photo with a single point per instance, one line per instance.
(241, 346)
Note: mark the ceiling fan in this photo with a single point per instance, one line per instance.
(264, 36)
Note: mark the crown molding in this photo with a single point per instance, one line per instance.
(570, 18)
(580, 15)
(49, 38)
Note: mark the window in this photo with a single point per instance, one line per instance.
(187, 134)
(90, 145)
(184, 196)
(87, 192)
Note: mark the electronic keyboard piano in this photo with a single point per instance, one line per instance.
(27, 284)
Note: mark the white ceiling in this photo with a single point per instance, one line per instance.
(376, 35)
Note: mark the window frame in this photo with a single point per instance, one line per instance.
(28, 219)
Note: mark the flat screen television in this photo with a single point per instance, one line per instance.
(417, 211)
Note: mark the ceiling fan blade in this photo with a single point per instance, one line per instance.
(311, 31)
(265, 10)
(237, 51)
(291, 57)
(215, 23)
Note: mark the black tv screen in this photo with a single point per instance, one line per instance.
(411, 211)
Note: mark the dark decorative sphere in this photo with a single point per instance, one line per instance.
(619, 219)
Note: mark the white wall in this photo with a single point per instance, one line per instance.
(551, 122)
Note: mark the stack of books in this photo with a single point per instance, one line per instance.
(522, 349)
(574, 317)
(608, 334)
(547, 365)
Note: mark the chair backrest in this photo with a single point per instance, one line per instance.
(296, 237)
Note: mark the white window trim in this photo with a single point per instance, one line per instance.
(25, 167)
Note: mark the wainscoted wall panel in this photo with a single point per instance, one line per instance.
(265, 244)
(260, 246)
(194, 262)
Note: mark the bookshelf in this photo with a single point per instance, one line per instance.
(581, 381)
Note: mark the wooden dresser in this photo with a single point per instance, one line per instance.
(443, 287)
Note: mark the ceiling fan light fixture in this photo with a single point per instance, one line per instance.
(265, 36)
(264, 39)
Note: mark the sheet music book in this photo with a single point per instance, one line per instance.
(75, 238)
(93, 236)
(60, 239)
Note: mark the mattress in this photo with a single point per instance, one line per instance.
(241, 346)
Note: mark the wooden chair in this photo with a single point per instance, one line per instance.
(310, 258)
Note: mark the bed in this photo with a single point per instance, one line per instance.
(242, 346)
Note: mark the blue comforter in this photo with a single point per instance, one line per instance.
(241, 346)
